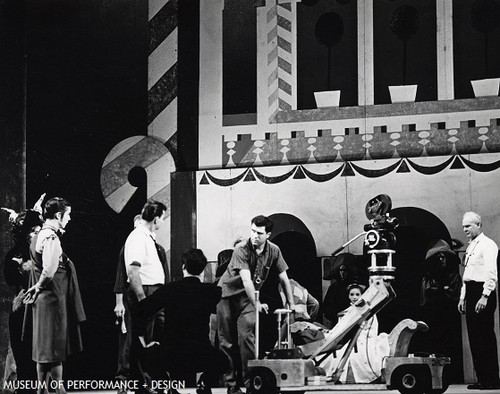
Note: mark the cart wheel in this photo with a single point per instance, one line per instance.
(411, 380)
(262, 381)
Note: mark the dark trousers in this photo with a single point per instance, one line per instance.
(236, 325)
(177, 361)
(21, 347)
(483, 343)
(124, 344)
(154, 332)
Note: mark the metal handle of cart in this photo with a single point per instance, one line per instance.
(257, 334)
(280, 313)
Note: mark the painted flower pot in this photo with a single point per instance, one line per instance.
(485, 87)
(403, 93)
(327, 98)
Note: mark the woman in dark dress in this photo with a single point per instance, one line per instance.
(55, 295)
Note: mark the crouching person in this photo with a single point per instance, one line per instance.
(185, 347)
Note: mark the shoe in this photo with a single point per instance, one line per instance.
(474, 386)
(234, 390)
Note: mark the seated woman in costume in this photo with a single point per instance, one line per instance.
(365, 362)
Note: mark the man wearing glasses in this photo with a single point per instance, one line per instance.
(478, 301)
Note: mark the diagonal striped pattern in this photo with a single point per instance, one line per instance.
(162, 70)
(280, 52)
(148, 153)
(162, 91)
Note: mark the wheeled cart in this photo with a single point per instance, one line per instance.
(409, 375)
(291, 371)
(297, 369)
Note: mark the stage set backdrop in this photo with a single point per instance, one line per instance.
(228, 109)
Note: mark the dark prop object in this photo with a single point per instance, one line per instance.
(329, 31)
(485, 18)
(404, 26)
(380, 229)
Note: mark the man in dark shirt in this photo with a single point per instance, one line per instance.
(250, 264)
(185, 346)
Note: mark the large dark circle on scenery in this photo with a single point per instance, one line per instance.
(329, 29)
(404, 22)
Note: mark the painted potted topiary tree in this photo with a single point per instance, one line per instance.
(329, 30)
(485, 19)
(404, 26)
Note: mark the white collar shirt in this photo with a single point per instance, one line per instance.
(480, 262)
(140, 248)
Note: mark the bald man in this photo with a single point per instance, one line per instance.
(478, 301)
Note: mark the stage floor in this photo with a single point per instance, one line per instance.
(453, 389)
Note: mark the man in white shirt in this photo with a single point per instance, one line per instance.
(145, 275)
(478, 301)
